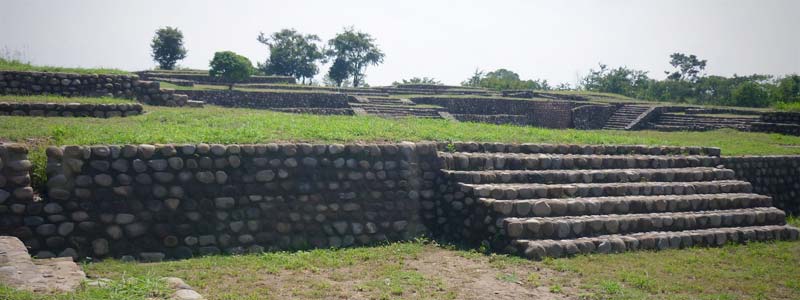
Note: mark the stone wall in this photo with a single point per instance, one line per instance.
(176, 201)
(592, 116)
(269, 100)
(67, 84)
(494, 119)
(776, 176)
(551, 114)
(88, 85)
(205, 78)
(69, 109)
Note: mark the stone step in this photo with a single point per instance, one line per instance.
(595, 225)
(654, 240)
(536, 191)
(524, 208)
(537, 148)
(467, 161)
(591, 176)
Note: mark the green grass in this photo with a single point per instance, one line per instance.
(61, 99)
(752, 271)
(16, 65)
(236, 125)
(122, 287)
(211, 87)
(791, 106)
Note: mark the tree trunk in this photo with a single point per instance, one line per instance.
(230, 87)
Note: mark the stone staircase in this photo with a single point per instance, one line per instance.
(388, 107)
(675, 122)
(558, 201)
(625, 117)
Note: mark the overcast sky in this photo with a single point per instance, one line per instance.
(447, 40)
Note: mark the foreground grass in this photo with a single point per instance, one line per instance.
(16, 65)
(61, 99)
(392, 271)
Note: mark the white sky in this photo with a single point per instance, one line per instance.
(447, 40)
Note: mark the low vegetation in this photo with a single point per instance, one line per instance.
(423, 269)
(17, 65)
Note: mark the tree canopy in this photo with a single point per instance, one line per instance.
(167, 46)
(503, 79)
(418, 80)
(291, 54)
(354, 51)
(231, 67)
(688, 67)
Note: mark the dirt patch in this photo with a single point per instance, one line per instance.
(477, 279)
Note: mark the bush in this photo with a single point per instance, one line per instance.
(231, 67)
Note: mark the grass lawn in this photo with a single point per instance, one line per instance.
(15, 65)
(427, 270)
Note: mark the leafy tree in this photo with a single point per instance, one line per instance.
(787, 89)
(475, 80)
(750, 94)
(688, 67)
(231, 67)
(621, 80)
(339, 71)
(168, 47)
(503, 79)
(355, 49)
(291, 54)
(418, 80)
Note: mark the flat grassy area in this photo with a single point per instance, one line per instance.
(15, 65)
(237, 125)
(791, 107)
(427, 270)
(61, 99)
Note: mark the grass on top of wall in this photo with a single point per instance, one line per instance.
(214, 124)
(16, 65)
(788, 106)
(62, 99)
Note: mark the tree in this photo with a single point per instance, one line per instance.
(355, 49)
(418, 80)
(621, 80)
(339, 72)
(750, 94)
(688, 67)
(291, 54)
(231, 67)
(168, 47)
(474, 80)
(787, 89)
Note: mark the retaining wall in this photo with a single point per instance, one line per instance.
(87, 85)
(551, 114)
(592, 116)
(69, 109)
(176, 201)
(776, 176)
(205, 78)
(269, 99)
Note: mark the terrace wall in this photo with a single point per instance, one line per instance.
(269, 100)
(87, 85)
(592, 116)
(776, 176)
(205, 78)
(551, 114)
(176, 201)
(69, 109)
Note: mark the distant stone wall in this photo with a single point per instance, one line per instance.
(205, 78)
(69, 109)
(176, 201)
(592, 116)
(776, 176)
(494, 119)
(87, 85)
(267, 100)
(67, 84)
(551, 114)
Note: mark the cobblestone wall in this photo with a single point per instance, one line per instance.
(776, 176)
(69, 109)
(269, 100)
